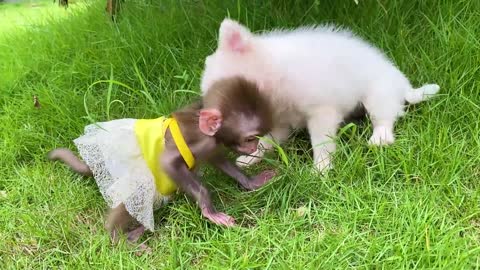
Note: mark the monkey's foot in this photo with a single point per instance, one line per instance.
(143, 249)
(135, 234)
(132, 238)
(219, 218)
(261, 179)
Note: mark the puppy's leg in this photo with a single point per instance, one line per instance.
(278, 135)
(382, 132)
(322, 125)
(383, 110)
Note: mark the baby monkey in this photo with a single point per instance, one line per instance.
(139, 163)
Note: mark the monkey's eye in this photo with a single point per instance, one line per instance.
(251, 139)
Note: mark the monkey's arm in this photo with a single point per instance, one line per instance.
(188, 182)
(222, 163)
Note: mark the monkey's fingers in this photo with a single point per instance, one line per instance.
(224, 219)
(267, 174)
(261, 179)
(114, 236)
(220, 219)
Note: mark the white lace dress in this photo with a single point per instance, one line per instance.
(112, 152)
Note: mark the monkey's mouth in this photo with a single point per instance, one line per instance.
(244, 151)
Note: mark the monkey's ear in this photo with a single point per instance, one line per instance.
(234, 36)
(210, 121)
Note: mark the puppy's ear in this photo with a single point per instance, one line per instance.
(210, 121)
(234, 37)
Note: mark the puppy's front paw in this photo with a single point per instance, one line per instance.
(323, 166)
(245, 161)
(381, 136)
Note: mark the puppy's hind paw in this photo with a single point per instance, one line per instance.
(430, 89)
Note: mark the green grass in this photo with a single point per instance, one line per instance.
(412, 205)
(17, 17)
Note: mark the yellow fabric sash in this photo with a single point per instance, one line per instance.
(180, 142)
(152, 145)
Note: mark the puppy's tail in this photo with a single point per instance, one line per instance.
(69, 158)
(423, 93)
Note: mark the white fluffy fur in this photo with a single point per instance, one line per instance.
(315, 76)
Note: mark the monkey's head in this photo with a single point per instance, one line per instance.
(236, 114)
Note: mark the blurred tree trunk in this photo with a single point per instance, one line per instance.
(63, 3)
(112, 7)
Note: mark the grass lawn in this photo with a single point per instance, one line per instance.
(19, 16)
(415, 204)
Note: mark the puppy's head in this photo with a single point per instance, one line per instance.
(237, 54)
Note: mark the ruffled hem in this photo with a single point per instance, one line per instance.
(111, 151)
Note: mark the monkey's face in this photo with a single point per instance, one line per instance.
(247, 145)
(236, 114)
(241, 142)
(241, 132)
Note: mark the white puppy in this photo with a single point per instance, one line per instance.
(315, 76)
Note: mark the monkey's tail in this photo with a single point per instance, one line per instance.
(69, 158)
(423, 93)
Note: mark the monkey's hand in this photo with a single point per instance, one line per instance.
(218, 218)
(233, 171)
(261, 179)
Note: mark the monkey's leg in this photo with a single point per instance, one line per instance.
(196, 171)
(189, 183)
(278, 135)
(118, 220)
